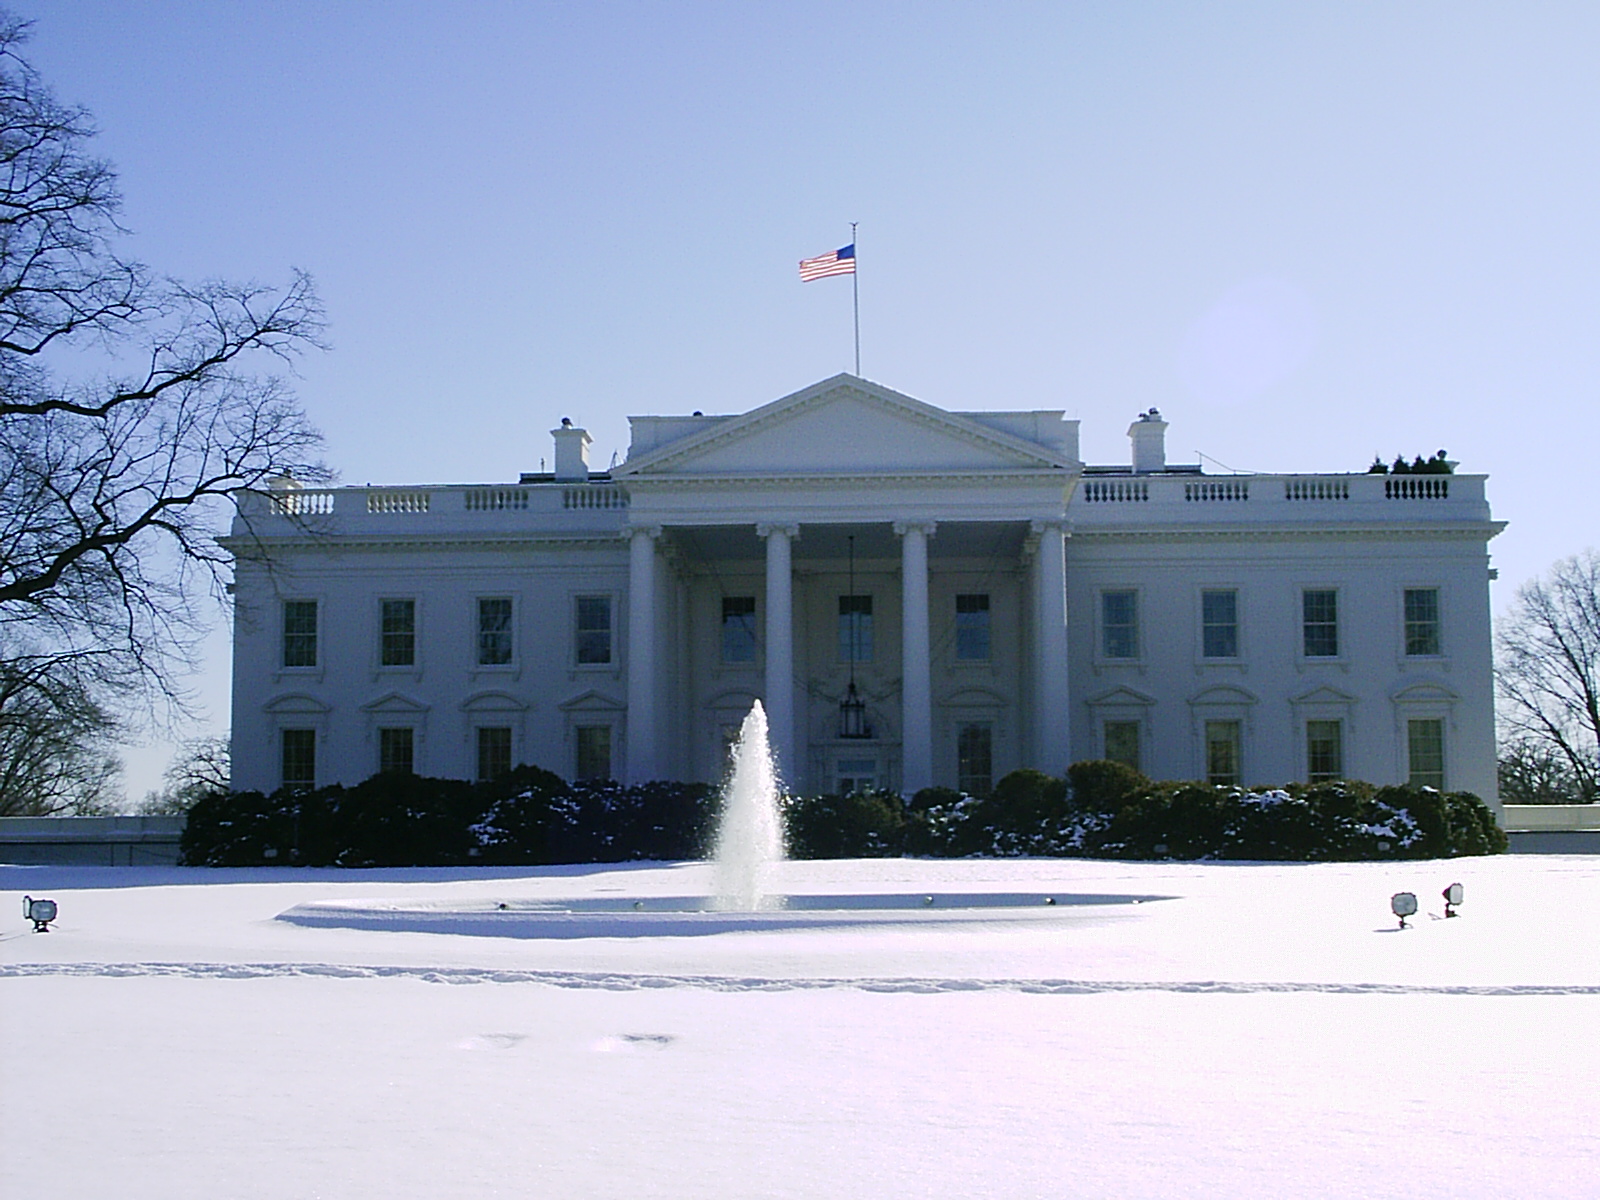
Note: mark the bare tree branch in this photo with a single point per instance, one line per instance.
(1548, 671)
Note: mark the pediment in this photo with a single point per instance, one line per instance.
(1223, 693)
(1323, 695)
(593, 701)
(842, 425)
(1424, 692)
(493, 702)
(394, 702)
(296, 703)
(1123, 696)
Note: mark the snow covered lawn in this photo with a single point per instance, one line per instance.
(1266, 1032)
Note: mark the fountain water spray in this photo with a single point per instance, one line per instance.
(750, 838)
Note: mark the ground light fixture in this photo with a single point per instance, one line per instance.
(1403, 905)
(1452, 898)
(40, 912)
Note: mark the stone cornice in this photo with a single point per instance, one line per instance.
(818, 480)
(1475, 532)
(242, 548)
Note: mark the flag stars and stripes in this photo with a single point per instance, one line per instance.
(840, 262)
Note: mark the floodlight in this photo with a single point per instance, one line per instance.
(1452, 897)
(40, 912)
(1403, 905)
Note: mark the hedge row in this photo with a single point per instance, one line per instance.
(1101, 810)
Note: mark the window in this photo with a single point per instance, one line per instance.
(855, 628)
(972, 627)
(494, 751)
(394, 750)
(1219, 624)
(1222, 753)
(1319, 615)
(299, 633)
(594, 751)
(1119, 624)
(398, 633)
(299, 758)
(1425, 753)
(494, 631)
(1422, 621)
(592, 629)
(1122, 742)
(1324, 751)
(975, 758)
(738, 629)
(857, 775)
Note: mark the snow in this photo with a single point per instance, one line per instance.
(1267, 1031)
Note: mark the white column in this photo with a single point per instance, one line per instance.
(642, 653)
(916, 695)
(1052, 743)
(780, 647)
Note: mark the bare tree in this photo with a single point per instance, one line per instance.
(202, 767)
(115, 481)
(1548, 676)
(55, 743)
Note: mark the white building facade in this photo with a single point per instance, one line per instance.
(916, 596)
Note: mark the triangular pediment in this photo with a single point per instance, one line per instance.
(592, 701)
(395, 703)
(842, 425)
(1120, 696)
(1323, 695)
(1223, 693)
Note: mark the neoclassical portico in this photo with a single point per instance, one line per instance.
(928, 502)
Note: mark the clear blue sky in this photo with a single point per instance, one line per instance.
(1308, 232)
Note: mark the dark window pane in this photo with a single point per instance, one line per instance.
(1320, 616)
(594, 752)
(300, 758)
(1219, 624)
(399, 636)
(974, 758)
(593, 631)
(494, 631)
(394, 750)
(972, 627)
(738, 629)
(1425, 742)
(1422, 621)
(1222, 753)
(1119, 624)
(855, 628)
(1122, 742)
(494, 751)
(1324, 751)
(300, 633)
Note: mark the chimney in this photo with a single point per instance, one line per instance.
(1149, 436)
(572, 452)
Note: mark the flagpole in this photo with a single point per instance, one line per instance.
(855, 293)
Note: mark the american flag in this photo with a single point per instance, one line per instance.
(839, 262)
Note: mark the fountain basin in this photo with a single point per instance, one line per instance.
(690, 916)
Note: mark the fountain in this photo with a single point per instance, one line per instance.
(750, 837)
(748, 848)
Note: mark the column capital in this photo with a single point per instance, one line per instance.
(926, 528)
(789, 529)
(649, 531)
(1038, 526)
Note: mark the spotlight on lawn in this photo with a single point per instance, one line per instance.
(1452, 898)
(40, 912)
(1403, 905)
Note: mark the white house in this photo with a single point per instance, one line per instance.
(917, 597)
